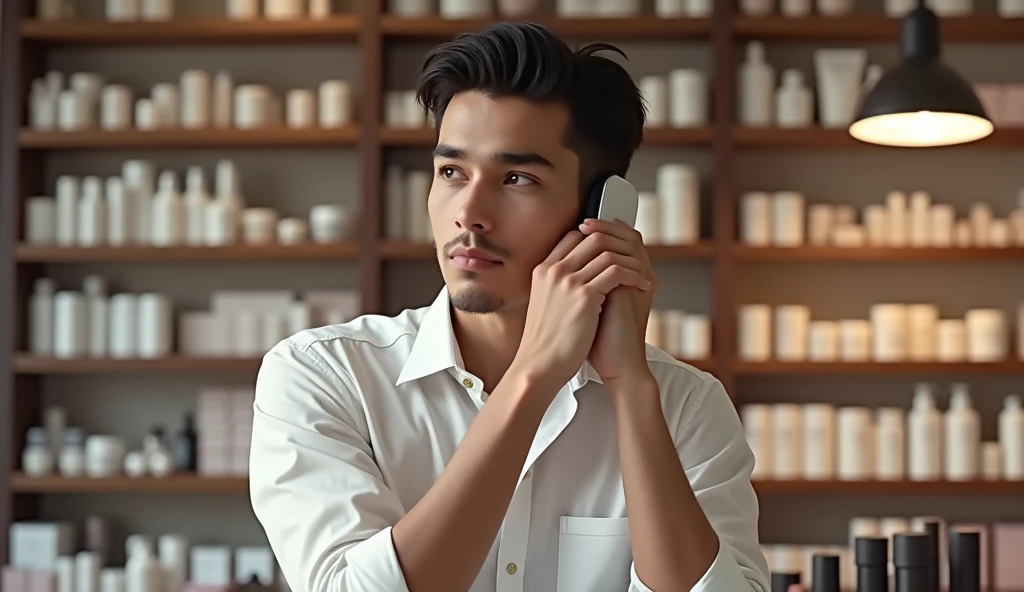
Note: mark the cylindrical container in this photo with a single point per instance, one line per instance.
(335, 108)
(783, 580)
(787, 439)
(319, 10)
(173, 552)
(833, 8)
(1010, 8)
(980, 218)
(919, 219)
(987, 335)
(669, 8)
(49, 10)
(820, 224)
(756, 219)
(97, 313)
(416, 194)
(243, 10)
(411, 8)
(871, 555)
(116, 108)
(795, 8)
(951, 340)
(329, 223)
(819, 442)
(103, 456)
(195, 201)
(823, 341)
(167, 101)
(72, 111)
(87, 572)
(648, 219)
(259, 226)
(1011, 438)
(755, 333)
(756, 86)
(758, 426)
(462, 9)
(168, 209)
(112, 579)
(792, 323)
(394, 108)
(876, 225)
(991, 461)
(143, 573)
(301, 109)
(655, 92)
(154, 323)
(222, 101)
(757, 7)
(220, 223)
(688, 94)
(899, 224)
(942, 221)
(65, 572)
(890, 444)
(854, 340)
(40, 220)
(678, 187)
(41, 318)
(122, 10)
(999, 233)
(71, 325)
(963, 235)
(283, 10)
(695, 340)
(788, 219)
(922, 325)
(157, 10)
(794, 101)
(855, 448)
(910, 557)
(196, 99)
(147, 116)
(899, 8)
(924, 436)
(292, 231)
(37, 459)
(962, 430)
(825, 573)
(123, 330)
(252, 103)
(120, 214)
(671, 331)
(889, 332)
(92, 214)
(964, 561)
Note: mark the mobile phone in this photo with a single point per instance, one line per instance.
(618, 200)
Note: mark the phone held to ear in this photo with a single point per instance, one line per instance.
(612, 199)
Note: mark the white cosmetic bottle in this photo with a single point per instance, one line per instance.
(41, 318)
(963, 436)
(139, 182)
(67, 210)
(756, 87)
(196, 202)
(757, 7)
(795, 8)
(1011, 438)
(924, 431)
(96, 302)
(142, 571)
(168, 213)
(794, 101)
(92, 214)
(120, 213)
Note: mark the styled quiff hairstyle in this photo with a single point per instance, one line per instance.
(527, 61)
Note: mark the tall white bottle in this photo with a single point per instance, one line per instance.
(92, 214)
(140, 184)
(229, 189)
(196, 200)
(168, 224)
(794, 101)
(142, 571)
(96, 303)
(756, 88)
(67, 210)
(963, 436)
(41, 313)
(120, 214)
(1011, 438)
(924, 431)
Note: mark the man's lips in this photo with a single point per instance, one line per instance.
(473, 259)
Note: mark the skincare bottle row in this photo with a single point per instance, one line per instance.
(116, 10)
(278, 10)
(842, 76)
(670, 215)
(44, 559)
(1004, 103)
(680, 334)
(224, 417)
(456, 9)
(783, 219)
(248, 323)
(679, 100)
(401, 110)
(894, 333)
(197, 102)
(137, 209)
(406, 193)
(820, 442)
(797, 8)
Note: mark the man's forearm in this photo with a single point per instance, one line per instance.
(672, 541)
(443, 541)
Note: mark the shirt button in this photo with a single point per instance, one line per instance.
(511, 569)
(467, 383)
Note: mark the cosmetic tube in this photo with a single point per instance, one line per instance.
(335, 104)
(154, 324)
(788, 219)
(787, 439)
(855, 444)
(890, 444)
(911, 559)
(678, 188)
(92, 214)
(688, 97)
(871, 555)
(839, 73)
(196, 99)
(40, 220)
(964, 561)
(854, 340)
(756, 88)
(825, 573)
(823, 341)
(943, 221)
(792, 323)
(924, 436)
(889, 331)
(758, 427)
(819, 443)
(1011, 438)
(71, 327)
(820, 221)
(41, 317)
(116, 108)
(67, 210)
(301, 109)
(922, 325)
(755, 332)
(756, 219)
(987, 335)
(781, 581)
(655, 92)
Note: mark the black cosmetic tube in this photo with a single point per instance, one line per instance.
(782, 580)
(825, 570)
(964, 561)
(871, 555)
(910, 556)
(932, 529)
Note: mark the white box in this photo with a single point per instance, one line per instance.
(254, 562)
(35, 546)
(211, 566)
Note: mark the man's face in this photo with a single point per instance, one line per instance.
(505, 191)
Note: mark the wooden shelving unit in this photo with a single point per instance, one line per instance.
(24, 44)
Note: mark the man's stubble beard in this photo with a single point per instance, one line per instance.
(472, 300)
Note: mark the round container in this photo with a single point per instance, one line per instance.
(329, 223)
(259, 225)
(292, 231)
(103, 456)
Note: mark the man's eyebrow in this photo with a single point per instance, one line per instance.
(511, 158)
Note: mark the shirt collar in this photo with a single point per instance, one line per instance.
(435, 348)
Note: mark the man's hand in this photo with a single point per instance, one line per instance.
(568, 291)
(618, 349)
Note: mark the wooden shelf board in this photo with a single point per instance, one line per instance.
(207, 138)
(702, 250)
(914, 488)
(424, 137)
(171, 484)
(28, 364)
(941, 254)
(47, 254)
(742, 368)
(646, 27)
(215, 31)
(817, 137)
(981, 29)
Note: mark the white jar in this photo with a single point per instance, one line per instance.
(103, 456)
(987, 335)
(292, 231)
(37, 459)
(71, 462)
(259, 226)
(890, 444)
(855, 450)
(329, 223)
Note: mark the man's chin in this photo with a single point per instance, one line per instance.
(475, 300)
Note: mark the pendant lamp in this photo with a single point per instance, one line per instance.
(921, 102)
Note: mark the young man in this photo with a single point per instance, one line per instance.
(516, 435)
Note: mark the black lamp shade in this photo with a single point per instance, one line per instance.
(921, 102)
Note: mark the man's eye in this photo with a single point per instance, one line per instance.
(517, 179)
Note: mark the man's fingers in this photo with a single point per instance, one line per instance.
(565, 246)
(608, 259)
(591, 247)
(616, 276)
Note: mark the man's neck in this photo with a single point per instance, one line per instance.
(488, 342)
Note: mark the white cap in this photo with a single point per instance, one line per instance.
(755, 51)
(138, 174)
(95, 285)
(227, 179)
(92, 188)
(194, 181)
(1012, 402)
(792, 78)
(923, 396)
(960, 397)
(168, 182)
(45, 286)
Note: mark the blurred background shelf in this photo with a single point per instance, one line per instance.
(903, 488)
(402, 250)
(817, 137)
(976, 29)
(208, 31)
(875, 368)
(824, 253)
(257, 253)
(424, 137)
(207, 138)
(27, 364)
(171, 484)
(645, 28)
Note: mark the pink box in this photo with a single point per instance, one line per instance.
(986, 559)
(1013, 105)
(993, 98)
(14, 580)
(1007, 551)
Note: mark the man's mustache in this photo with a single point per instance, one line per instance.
(472, 240)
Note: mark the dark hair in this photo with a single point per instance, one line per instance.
(526, 60)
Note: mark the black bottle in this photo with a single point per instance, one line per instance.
(931, 528)
(184, 448)
(782, 580)
(871, 555)
(964, 561)
(825, 573)
(910, 556)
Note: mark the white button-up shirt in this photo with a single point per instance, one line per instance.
(355, 422)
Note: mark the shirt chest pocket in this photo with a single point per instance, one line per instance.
(593, 554)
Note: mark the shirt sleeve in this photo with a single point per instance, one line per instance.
(718, 462)
(314, 485)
